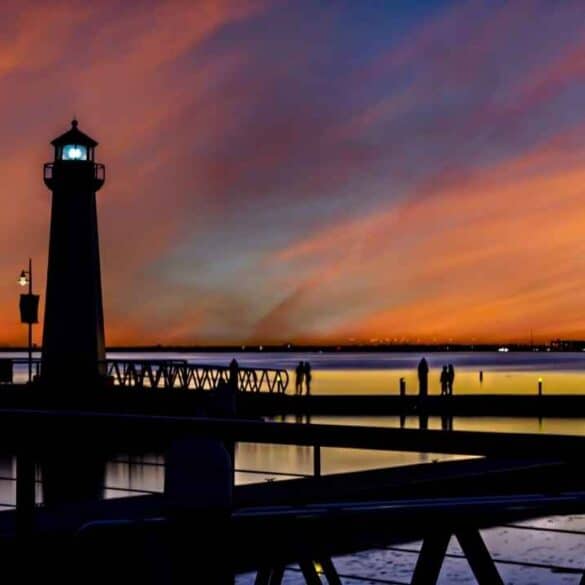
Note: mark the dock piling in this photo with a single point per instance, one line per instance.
(402, 387)
(317, 461)
(25, 494)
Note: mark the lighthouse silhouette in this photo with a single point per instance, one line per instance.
(73, 334)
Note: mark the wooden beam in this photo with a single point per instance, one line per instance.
(121, 427)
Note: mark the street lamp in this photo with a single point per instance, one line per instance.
(29, 308)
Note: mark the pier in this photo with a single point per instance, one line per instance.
(513, 477)
(469, 405)
(267, 392)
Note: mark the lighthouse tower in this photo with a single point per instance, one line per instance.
(73, 335)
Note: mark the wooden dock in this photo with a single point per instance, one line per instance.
(189, 402)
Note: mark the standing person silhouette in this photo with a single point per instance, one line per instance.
(444, 381)
(299, 375)
(308, 378)
(423, 378)
(450, 378)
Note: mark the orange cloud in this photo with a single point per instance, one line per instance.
(495, 256)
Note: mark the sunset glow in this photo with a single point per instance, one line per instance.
(307, 171)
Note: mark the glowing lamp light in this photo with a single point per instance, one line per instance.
(74, 152)
(23, 278)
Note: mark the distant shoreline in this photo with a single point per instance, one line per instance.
(362, 348)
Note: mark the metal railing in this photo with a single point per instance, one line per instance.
(181, 374)
(99, 170)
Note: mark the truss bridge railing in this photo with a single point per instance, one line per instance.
(182, 375)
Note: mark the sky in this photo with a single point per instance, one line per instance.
(307, 171)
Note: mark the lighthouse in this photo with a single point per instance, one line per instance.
(73, 335)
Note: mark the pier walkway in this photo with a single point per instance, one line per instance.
(263, 392)
(500, 405)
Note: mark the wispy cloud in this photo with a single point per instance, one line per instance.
(276, 172)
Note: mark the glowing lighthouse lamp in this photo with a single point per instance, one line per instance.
(74, 152)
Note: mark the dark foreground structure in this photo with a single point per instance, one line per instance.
(468, 405)
(202, 529)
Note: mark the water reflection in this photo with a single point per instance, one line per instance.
(380, 373)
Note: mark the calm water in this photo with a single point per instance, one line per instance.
(379, 373)
(375, 373)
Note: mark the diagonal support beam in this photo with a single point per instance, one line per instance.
(310, 573)
(430, 560)
(270, 576)
(277, 575)
(263, 576)
(479, 557)
(330, 571)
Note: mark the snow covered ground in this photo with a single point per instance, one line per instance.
(551, 557)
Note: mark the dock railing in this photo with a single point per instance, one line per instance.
(179, 374)
(126, 431)
(184, 375)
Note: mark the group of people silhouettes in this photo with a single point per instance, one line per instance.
(303, 375)
(447, 379)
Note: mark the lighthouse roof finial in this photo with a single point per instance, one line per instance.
(74, 136)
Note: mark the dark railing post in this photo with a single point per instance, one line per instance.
(317, 460)
(234, 369)
(25, 494)
(402, 387)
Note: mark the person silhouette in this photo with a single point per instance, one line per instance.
(299, 375)
(423, 377)
(444, 381)
(308, 378)
(450, 378)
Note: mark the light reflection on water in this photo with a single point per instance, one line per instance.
(380, 373)
(259, 462)
(367, 373)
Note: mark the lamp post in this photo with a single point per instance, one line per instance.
(29, 305)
